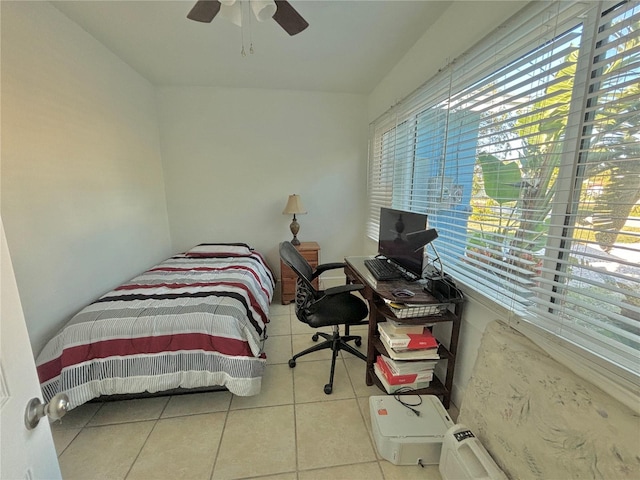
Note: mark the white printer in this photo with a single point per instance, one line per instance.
(404, 438)
(428, 437)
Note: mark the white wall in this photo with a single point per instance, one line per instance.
(459, 28)
(82, 192)
(463, 25)
(232, 156)
(83, 199)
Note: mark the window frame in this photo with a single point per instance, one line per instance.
(416, 104)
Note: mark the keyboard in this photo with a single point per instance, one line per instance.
(381, 269)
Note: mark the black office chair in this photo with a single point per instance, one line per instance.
(320, 308)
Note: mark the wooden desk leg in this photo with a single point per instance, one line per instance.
(453, 349)
(367, 294)
(371, 337)
(374, 318)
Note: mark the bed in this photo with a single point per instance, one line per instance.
(198, 319)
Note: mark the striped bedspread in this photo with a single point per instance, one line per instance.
(191, 321)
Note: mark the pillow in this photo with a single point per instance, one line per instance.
(214, 249)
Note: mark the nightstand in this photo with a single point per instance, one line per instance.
(311, 252)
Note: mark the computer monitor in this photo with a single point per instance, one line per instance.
(395, 239)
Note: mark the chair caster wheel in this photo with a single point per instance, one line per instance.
(315, 337)
(358, 342)
(292, 363)
(328, 389)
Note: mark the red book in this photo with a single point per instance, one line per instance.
(402, 379)
(407, 341)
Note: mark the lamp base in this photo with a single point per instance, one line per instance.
(295, 228)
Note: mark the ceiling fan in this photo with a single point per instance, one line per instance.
(285, 15)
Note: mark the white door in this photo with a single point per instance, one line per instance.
(24, 454)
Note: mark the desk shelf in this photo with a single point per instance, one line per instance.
(384, 309)
(435, 388)
(444, 353)
(375, 293)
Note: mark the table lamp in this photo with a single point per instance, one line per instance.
(423, 238)
(294, 206)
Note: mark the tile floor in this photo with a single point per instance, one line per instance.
(290, 431)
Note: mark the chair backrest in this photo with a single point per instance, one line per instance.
(306, 294)
(295, 261)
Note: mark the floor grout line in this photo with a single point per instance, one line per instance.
(296, 402)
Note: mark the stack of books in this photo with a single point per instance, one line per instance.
(392, 379)
(413, 354)
(408, 342)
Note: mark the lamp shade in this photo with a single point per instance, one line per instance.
(294, 206)
(421, 238)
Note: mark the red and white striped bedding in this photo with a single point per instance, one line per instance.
(194, 320)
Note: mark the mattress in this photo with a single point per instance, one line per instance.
(197, 319)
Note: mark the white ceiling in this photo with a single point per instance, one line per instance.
(349, 46)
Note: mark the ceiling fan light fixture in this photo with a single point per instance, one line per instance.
(232, 12)
(280, 10)
(263, 9)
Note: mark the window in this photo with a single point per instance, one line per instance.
(525, 154)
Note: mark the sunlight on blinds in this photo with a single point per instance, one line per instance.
(525, 154)
(595, 270)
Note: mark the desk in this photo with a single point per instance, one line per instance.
(375, 292)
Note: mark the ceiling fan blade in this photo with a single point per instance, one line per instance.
(204, 11)
(288, 18)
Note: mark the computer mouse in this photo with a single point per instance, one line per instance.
(402, 293)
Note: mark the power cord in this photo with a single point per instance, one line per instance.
(398, 394)
(404, 390)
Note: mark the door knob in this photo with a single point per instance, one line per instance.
(55, 409)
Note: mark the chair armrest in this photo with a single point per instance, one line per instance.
(327, 266)
(350, 287)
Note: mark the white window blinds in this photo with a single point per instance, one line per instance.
(588, 289)
(525, 153)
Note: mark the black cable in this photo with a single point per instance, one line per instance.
(397, 395)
